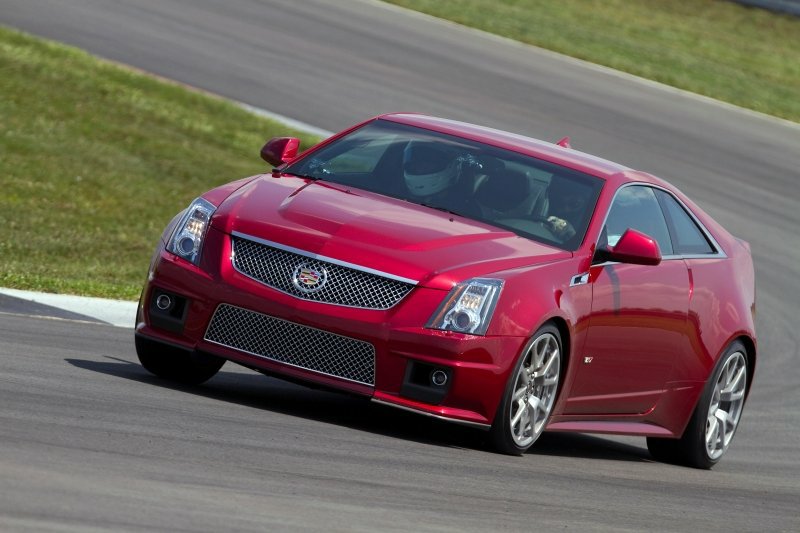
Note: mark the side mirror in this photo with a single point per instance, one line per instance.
(279, 150)
(636, 248)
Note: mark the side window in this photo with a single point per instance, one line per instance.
(636, 207)
(688, 238)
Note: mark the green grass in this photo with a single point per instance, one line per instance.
(94, 161)
(745, 56)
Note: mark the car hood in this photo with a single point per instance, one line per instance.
(433, 248)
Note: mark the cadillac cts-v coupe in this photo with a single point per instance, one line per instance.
(468, 274)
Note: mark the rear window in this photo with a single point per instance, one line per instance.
(687, 237)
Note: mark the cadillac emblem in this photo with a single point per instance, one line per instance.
(309, 278)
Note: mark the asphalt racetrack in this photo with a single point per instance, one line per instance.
(89, 440)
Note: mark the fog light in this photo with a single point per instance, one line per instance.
(439, 378)
(163, 302)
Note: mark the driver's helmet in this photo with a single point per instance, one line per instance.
(428, 167)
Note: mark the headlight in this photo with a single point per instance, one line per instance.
(468, 307)
(187, 239)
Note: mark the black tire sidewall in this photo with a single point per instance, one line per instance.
(169, 362)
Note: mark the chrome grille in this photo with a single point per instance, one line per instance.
(276, 268)
(292, 344)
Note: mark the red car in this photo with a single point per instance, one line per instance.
(467, 274)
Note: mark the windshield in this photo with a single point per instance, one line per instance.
(533, 198)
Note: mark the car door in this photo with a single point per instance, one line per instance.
(638, 318)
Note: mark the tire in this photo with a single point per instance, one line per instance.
(715, 419)
(176, 364)
(530, 394)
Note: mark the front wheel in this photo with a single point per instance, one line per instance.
(175, 364)
(530, 394)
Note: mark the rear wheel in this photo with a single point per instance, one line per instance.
(715, 419)
(530, 394)
(176, 364)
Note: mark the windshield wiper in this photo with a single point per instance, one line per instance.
(440, 208)
(304, 176)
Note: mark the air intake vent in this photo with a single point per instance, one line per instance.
(293, 344)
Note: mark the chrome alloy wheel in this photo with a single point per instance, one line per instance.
(726, 405)
(535, 389)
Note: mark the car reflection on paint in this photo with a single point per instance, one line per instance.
(468, 274)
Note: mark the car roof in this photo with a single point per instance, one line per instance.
(568, 157)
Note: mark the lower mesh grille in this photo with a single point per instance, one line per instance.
(293, 344)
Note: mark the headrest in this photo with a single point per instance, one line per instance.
(503, 190)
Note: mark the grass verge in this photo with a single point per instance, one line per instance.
(746, 56)
(95, 159)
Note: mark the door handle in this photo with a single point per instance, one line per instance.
(580, 279)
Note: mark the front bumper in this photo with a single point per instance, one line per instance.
(324, 344)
